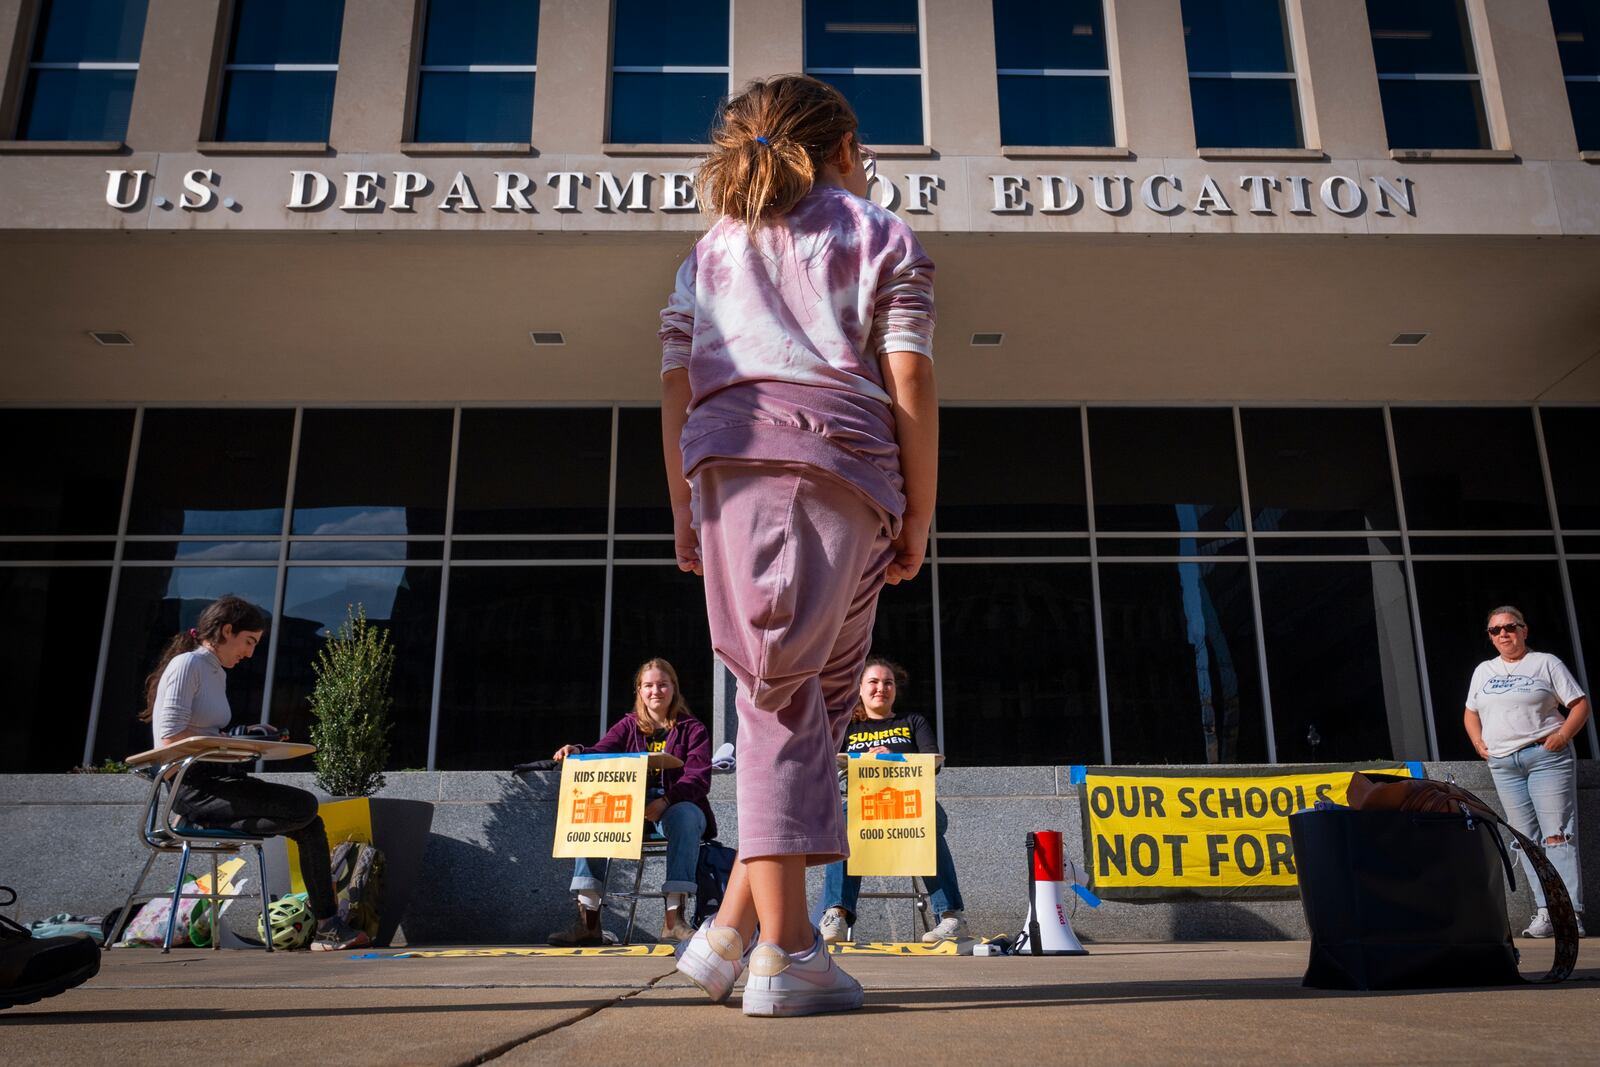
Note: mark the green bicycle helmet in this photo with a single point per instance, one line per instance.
(293, 925)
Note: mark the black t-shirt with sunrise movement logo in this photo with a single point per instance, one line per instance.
(900, 734)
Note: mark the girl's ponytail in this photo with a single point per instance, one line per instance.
(769, 145)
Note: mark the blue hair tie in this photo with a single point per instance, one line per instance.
(763, 140)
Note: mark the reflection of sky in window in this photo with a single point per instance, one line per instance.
(210, 523)
(323, 594)
(198, 586)
(350, 522)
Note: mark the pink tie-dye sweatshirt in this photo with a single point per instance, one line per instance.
(782, 333)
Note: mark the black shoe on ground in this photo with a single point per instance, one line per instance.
(32, 968)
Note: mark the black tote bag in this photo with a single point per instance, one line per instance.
(1403, 900)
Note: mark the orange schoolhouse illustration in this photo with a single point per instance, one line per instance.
(602, 807)
(891, 803)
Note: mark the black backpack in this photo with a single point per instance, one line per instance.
(711, 879)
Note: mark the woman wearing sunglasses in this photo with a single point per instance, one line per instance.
(1515, 719)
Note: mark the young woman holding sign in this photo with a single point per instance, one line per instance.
(875, 727)
(675, 800)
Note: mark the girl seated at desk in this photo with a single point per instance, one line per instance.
(186, 696)
(676, 800)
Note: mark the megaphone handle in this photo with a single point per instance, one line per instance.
(1034, 946)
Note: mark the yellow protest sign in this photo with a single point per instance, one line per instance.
(600, 810)
(343, 820)
(1151, 835)
(890, 814)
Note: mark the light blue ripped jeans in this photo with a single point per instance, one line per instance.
(1540, 792)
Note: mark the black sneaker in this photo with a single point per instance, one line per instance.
(32, 968)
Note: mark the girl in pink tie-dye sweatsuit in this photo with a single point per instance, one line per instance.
(799, 424)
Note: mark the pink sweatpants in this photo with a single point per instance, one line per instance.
(794, 561)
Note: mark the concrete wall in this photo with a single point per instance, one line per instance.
(67, 843)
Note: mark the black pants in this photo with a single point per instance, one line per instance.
(224, 799)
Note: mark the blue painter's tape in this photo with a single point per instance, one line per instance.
(605, 755)
(887, 757)
(1087, 894)
(1077, 774)
(1416, 769)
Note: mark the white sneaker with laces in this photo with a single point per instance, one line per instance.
(953, 925)
(780, 984)
(713, 959)
(835, 926)
(1540, 925)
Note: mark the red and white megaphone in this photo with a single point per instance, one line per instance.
(1048, 932)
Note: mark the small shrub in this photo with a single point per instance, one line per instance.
(350, 705)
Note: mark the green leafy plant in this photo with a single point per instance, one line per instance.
(350, 705)
(110, 766)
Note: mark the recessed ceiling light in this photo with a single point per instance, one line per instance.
(1407, 340)
(547, 337)
(111, 338)
(989, 340)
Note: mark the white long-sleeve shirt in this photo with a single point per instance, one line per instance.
(191, 695)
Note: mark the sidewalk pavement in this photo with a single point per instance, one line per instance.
(1180, 1003)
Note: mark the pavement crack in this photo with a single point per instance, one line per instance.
(588, 1013)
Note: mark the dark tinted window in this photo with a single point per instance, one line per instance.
(71, 482)
(643, 505)
(653, 106)
(1037, 44)
(862, 33)
(1454, 601)
(405, 601)
(533, 472)
(211, 472)
(1470, 469)
(1164, 469)
(660, 611)
(372, 472)
(49, 680)
(264, 104)
(1182, 678)
(1318, 469)
(1340, 657)
(456, 104)
(153, 604)
(65, 101)
(1010, 469)
(903, 632)
(1421, 48)
(1572, 444)
(1577, 26)
(843, 35)
(1585, 578)
(1241, 74)
(521, 664)
(1020, 681)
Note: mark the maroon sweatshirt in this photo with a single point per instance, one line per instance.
(690, 741)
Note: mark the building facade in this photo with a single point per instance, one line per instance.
(1267, 348)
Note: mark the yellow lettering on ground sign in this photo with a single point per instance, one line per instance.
(890, 818)
(600, 810)
(1151, 836)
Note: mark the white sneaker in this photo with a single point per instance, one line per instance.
(1540, 925)
(835, 926)
(808, 984)
(953, 925)
(712, 959)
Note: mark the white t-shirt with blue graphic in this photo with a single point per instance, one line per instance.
(1521, 702)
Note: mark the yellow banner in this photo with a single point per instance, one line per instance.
(890, 814)
(600, 811)
(1153, 836)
